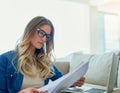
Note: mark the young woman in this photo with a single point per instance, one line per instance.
(29, 66)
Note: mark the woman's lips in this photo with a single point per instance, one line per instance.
(40, 43)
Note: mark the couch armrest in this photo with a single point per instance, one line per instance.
(64, 67)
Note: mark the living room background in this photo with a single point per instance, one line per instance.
(75, 25)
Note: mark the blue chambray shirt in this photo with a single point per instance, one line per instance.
(10, 79)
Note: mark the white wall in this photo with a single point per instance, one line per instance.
(71, 21)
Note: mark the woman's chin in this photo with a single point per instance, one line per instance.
(39, 47)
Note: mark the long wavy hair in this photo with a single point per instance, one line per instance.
(40, 59)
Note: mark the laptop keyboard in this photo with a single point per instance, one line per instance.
(87, 90)
(94, 90)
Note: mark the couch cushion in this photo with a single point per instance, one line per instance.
(63, 66)
(99, 67)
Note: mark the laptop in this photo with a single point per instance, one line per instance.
(83, 89)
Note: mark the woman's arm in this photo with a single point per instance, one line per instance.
(58, 73)
(3, 81)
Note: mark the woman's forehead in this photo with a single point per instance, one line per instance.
(46, 28)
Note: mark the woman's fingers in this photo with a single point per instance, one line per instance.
(79, 82)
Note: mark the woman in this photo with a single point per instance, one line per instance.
(30, 62)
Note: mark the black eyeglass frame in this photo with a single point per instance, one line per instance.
(42, 33)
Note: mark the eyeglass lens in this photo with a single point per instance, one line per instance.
(42, 33)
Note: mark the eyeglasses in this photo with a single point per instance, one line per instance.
(42, 33)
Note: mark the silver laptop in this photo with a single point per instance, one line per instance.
(83, 89)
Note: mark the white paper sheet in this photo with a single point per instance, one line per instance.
(66, 80)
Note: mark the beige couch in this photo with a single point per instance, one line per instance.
(103, 71)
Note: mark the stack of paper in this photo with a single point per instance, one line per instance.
(67, 80)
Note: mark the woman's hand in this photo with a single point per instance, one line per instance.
(31, 90)
(79, 82)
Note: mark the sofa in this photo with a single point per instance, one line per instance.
(103, 71)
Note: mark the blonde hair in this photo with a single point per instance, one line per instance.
(26, 59)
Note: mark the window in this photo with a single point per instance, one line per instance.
(110, 32)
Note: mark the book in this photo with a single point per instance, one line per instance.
(67, 80)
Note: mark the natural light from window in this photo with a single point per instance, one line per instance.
(112, 33)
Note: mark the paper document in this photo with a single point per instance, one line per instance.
(66, 80)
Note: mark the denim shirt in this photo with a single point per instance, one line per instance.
(10, 79)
